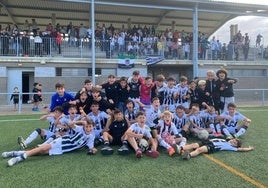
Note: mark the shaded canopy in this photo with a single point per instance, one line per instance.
(158, 13)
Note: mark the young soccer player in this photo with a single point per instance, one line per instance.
(131, 111)
(181, 121)
(212, 146)
(203, 95)
(83, 136)
(61, 98)
(123, 93)
(211, 88)
(168, 135)
(88, 86)
(145, 90)
(181, 93)
(224, 87)
(156, 90)
(104, 105)
(15, 96)
(153, 115)
(37, 97)
(100, 119)
(169, 94)
(73, 116)
(114, 134)
(84, 103)
(45, 134)
(197, 120)
(192, 93)
(211, 120)
(111, 87)
(233, 123)
(134, 83)
(138, 131)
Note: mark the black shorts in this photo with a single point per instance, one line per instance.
(15, 101)
(210, 146)
(37, 98)
(116, 141)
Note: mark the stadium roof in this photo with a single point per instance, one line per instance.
(160, 13)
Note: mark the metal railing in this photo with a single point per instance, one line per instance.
(243, 97)
(81, 48)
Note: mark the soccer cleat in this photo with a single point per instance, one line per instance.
(177, 148)
(152, 154)
(171, 151)
(22, 142)
(123, 150)
(14, 160)
(186, 155)
(138, 153)
(107, 150)
(8, 154)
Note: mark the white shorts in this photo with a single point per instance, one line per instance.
(98, 133)
(48, 133)
(56, 147)
(231, 129)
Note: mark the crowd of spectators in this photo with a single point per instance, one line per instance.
(139, 41)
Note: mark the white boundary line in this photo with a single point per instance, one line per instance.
(12, 120)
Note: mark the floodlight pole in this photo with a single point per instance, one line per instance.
(93, 41)
(195, 41)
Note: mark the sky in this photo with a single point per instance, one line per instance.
(253, 25)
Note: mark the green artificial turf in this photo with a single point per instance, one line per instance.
(77, 169)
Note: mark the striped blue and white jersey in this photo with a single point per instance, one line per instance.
(168, 95)
(78, 140)
(232, 121)
(162, 128)
(180, 121)
(145, 130)
(52, 126)
(152, 116)
(99, 119)
(222, 145)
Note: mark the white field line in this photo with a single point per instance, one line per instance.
(10, 120)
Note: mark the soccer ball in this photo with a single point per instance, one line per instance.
(144, 145)
(203, 134)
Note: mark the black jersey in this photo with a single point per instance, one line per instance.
(118, 128)
(134, 91)
(111, 91)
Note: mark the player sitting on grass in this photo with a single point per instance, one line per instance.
(140, 130)
(100, 119)
(168, 136)
(233, 123)
(48, 134)
(84, 136)
(196, 118)
(211, 146)
(114, 133)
